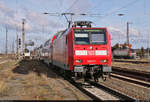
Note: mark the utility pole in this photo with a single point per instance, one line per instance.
(6, 50)
(23, 39)
(128, 33)
(17, 44)
(147, 44)
(148, 48)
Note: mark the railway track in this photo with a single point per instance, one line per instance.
(97, 91)
(118, 95)
(139, 75)
(131, 80)
(128, 61)
(139, 78)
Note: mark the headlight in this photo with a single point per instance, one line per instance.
(103, 61)
(101, 52)
(78, 61)
(81, 52)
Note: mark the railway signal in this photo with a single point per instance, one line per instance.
(17, 44)
(19, 41)
(23, 38)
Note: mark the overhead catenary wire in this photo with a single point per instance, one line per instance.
(125, 6)
(75, 2)
(71, 14)
(87, 14)
(77, 14)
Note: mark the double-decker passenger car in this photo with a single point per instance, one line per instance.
(82, 51)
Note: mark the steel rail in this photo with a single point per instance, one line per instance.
(136, 62)
(77, 85)
(108, 90)
(131, 80)
(114, 92)
(143, 76)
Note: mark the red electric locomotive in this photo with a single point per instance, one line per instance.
(83, 51)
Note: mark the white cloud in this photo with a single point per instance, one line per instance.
(5, 10)
(79, 6)
(118, 35)
(134, 32)
(114, 31)
(34, 20)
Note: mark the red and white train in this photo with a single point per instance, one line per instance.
(124, 53)
(80, 51)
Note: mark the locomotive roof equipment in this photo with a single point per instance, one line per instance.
(82, 23)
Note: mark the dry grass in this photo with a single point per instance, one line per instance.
(74, 91)
(38, 83)
(37, 88)
(8, 64)
(3, 89)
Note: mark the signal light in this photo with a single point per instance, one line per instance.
(19, 41)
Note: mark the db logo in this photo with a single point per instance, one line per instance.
(91, 52)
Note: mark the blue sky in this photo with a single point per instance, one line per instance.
(40, 27)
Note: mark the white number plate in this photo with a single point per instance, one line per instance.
(78, 69)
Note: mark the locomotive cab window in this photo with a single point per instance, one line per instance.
(90, 36)
(98, 38)
(82, 38)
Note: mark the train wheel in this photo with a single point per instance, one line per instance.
(109, 75)
(64, 74)
(103, 78)
(76, 76)
(87, 76)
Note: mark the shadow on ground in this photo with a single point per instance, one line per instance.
(27, 66)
